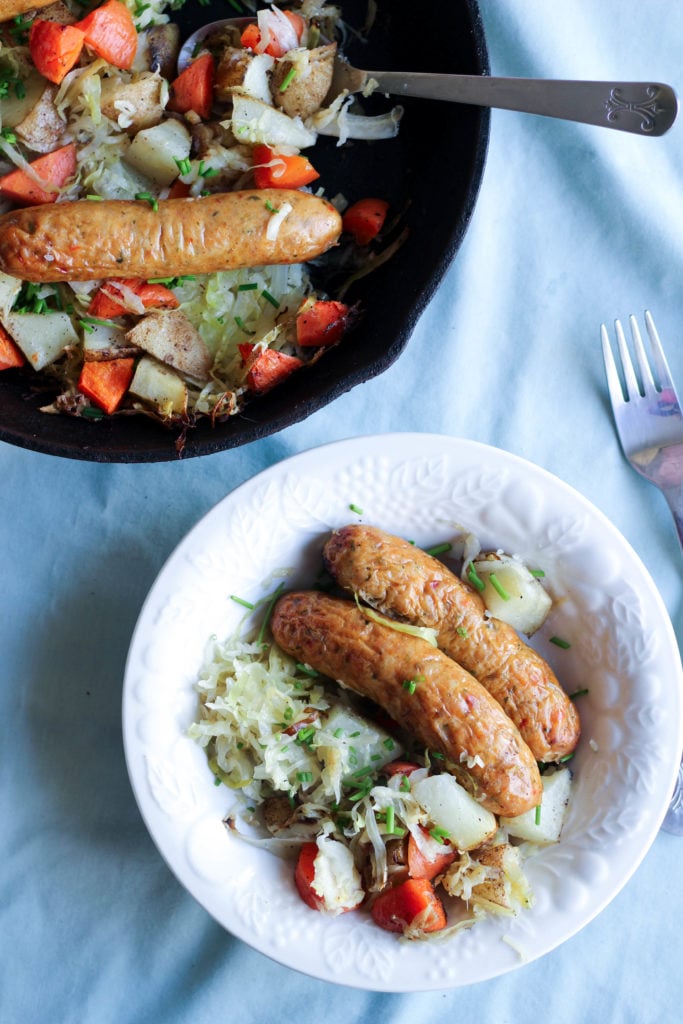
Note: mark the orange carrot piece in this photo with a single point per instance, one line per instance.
(110, 32)
(288, 172)
(365, 219)
(251, 36)
(323, 323)
(54, 48)
(413, 903)
(54, 168)
(153, 296)
(193, 88)
(106, 382)
(304, 874)
(269, 368)
(11, 355)
(179, 190)
(420, 866)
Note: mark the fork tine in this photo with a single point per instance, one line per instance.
(648, 385)
(661, 365)
(616, 392)
(632, 386)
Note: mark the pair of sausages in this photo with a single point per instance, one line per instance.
(484, 697)
(85, 240)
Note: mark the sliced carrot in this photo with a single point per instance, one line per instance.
(286, 171)
(269, 368)
(420, 866)
(412, 904)
(304, 874)
(11, 355)
(153, 296)
(110, 32)
(323, 323)
(106, 382)
(54, 169)
(251, 36)
(178, 190)
(54, 48)
(193, 88)
(365, 219)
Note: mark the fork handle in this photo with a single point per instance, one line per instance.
(675, 502)
(642, 108)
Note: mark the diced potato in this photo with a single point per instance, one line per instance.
(171, 337)
(256, 122)
(311, 81)
(42, 337)
(554, 803)
(450, 807)
(9, 289)
(43, 127)
(527, 604)
(16, 108)
(507, 886)
(343, 730)
(153, 151)
(101, 340)
(134, 105)
(159, 386)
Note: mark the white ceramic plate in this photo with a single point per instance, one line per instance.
(623, 650)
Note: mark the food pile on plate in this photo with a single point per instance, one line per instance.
(157, 221)
(393, 731)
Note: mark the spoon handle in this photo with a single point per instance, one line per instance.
(643, 108)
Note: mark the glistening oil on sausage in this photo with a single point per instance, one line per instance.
(404, 582)
(447, 710)
(83, 240)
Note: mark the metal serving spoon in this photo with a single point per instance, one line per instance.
(642, 108)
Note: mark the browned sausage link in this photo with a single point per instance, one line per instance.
(13, 8)
(448, 710)
(84, 240)
(403, 581)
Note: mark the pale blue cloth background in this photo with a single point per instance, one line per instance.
(574, 226)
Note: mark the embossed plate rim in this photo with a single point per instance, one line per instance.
(411, 483)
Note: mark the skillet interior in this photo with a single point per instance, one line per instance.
(431, 171)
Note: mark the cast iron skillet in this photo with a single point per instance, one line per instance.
(431, 171)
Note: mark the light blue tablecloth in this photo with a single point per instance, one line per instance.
(574, 225)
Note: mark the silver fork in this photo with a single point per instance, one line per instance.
(649, 421)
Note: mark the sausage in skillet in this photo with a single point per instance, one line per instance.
(404, 582)
(448, 710)
(83, 240)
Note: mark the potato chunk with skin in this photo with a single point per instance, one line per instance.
(171, 337)
(134, 105)
(43, 127)
(302, 79)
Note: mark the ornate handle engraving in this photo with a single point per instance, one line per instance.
(646, 108)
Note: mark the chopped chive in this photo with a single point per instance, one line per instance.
(362, 772)
(567, 757)
(100, 323)
(436, 754)
(559, 642)
(251, 286)
(217, 781)
(578, 693)
(388, 743)
(240, 600)
(206, 172)
(461, 631)
(240, 323)
(391, 819)
(289, 714)
(288, 79)
(474, 578)
(337, 733)
(305, 776)
(538, 573)
(184, 165)
(438, 549)
(356, 509)
(405, 784)
(270, 298)
(269, 611)
(148, 198)
(537, 815)
(498, 587)
(410, 685)
(270, 207)
(306, 669)
(236, 5)
(440, 834)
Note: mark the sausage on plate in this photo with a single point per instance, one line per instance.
(404, 582)
(13, 8)
(85, 240)
(421, 688)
